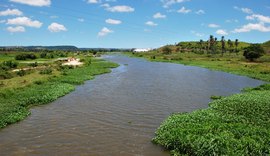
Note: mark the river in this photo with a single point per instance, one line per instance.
(117, 113)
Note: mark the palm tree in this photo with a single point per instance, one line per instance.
(222, 45)
(230, 45)
(201, 45)
(211, 42)
(236, 43)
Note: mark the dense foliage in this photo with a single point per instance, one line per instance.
(253, 51)
(235, 125)
(25, 56)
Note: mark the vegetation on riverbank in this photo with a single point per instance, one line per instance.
(44, 85)
(234, 125)
(229, 61)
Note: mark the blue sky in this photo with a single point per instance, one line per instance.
(130, 23)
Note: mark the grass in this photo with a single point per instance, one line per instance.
(19, 94)
(234, 125)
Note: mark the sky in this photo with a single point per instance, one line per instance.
(130, 23)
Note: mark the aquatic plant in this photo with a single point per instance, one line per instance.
(234, 125)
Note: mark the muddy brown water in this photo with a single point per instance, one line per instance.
(117, 113)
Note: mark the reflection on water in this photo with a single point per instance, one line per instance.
(117, 113)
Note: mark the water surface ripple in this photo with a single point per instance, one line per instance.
(117, 113)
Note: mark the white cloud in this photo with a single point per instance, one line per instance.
(13, 12)
(197, 34)
(200, 12)
(232, 21)
(38, 3)
(16, 29)
(113, 21)
(146, 30)
(81, 20)
(120, 8)
(221, 32)
(93, 1)
(184, 10)
(253, 26)
(159, 15)
(244, 10)
(212, 25)
(24, 21)
(56, 27)
(105, 5)
(260, 18)
(104, 31)
(167, 3)
(150, 23)
(54, 17)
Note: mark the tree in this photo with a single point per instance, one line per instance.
(166, 50)
(236, 43)
(201, 45)
(223, 45)
(253, 52)
(212, 42)
(230, 45)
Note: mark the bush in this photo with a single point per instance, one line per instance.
(5, 75)
(25, 56)
(10, 64)
(21, 72)
(33, 64)
(43, 55)
(38, 82)
(166, 50)
(254, 51)
(46, 71)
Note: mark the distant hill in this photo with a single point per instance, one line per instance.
(33, 48)
(266, 46)
(189, 45)
(62, 47)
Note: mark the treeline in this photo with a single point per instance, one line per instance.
(211, 46)
(91, 50)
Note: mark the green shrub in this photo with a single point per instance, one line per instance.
(38, 82)
(253, 52)
(21, 72)
(33, 64)
(46, 71)
(25, 56)
(5, 75)
(10, 64)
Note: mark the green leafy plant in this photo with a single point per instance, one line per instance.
(253, 52)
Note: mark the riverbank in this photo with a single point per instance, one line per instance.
(230, 63)
(16, 101)
(235, 124)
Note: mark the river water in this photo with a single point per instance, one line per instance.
(117, 113)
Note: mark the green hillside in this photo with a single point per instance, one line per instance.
(266, 46)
